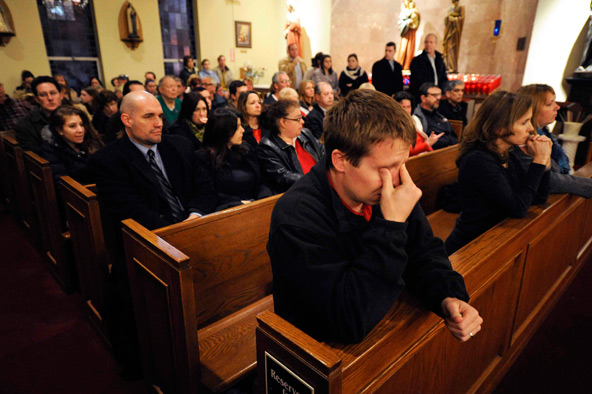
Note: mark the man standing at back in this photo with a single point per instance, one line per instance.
(224, 73)
(428, 66)
(387, 74)
(48, 95)
(293, 65)
(349, 236)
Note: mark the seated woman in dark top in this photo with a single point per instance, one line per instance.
(492, 184)
(232, 165)
(106, 106)
(69, 140)
(192, 119)
(249, 105)
(289, 151)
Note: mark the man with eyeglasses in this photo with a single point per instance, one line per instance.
(216, 101)
(49, 97)
(453, 107)
(324, 99)
(431, 119)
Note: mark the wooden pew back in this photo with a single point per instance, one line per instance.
(514, 272)
(6, 189)
(15, 168)
(44, 208)
(431, 171)
(210, 275)
(227, 281)
(457, 126)
(88, 246)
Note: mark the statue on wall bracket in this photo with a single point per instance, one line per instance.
(292, 28)
(453, 23)
(586, 62)
(408, 24)
(6, 26)
(130, 28)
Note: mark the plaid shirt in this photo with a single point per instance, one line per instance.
(11, 111)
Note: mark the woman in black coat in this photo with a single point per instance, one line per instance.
(192, 119)
(352, 76)
(289, 151)
(69, 140)
(232, 165)
(250, 105)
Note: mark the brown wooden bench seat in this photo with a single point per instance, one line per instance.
(198, 286)
(6, 189)
(515, 272)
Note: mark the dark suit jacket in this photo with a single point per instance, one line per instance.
(128, 187)
(422, 71)
(28, 130)
(314, 121)
(386, 80)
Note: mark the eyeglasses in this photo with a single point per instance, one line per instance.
(298, 119)
(435, 94)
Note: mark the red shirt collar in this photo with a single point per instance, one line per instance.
(366, 209)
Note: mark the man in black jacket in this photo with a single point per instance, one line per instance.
(49, 97)
(149, 177)
(431, 120)
(387, 74)
(428, 66)
(324, 99)
(350, 235)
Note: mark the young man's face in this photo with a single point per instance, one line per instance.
(363, 183)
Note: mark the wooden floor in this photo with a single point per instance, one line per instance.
(46, 345)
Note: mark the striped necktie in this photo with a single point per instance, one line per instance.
(178, 211)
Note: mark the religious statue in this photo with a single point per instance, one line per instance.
(132, 24)
(408, 24)
(454, 24)
(4, 26)
(586, 62)
(292, 29)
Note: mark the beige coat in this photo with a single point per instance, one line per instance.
(288, 67)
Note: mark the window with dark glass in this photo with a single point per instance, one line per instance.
(70, 40)
(178, 35)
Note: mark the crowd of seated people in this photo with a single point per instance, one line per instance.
(217, 143)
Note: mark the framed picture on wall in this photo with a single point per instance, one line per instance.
(242, 31)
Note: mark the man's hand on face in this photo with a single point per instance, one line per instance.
(396, 203)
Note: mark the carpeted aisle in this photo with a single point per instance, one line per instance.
(46, 345)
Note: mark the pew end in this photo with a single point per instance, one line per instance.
(45, 212)
(82, 210)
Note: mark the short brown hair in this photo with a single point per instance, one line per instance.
(538, 94)
(493, 120)
(361, 119)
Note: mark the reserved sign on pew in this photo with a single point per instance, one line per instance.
(281, 380)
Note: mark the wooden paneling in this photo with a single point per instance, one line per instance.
(88, 246)
(430, 171)
(44, 210)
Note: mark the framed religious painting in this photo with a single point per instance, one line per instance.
(242, 31)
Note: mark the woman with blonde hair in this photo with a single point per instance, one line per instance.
(493, 185)
(306, 95)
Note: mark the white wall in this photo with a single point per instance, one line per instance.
(555, 50)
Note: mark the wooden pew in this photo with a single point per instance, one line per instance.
(15, 170)
(197, 287)
(44, 209)
(515, 273)
(211, 277)
(88, 246)
(6, 189)
(457, 126)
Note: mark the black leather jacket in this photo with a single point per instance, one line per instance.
(279, 162)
